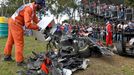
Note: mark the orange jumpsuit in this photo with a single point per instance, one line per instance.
(25, 15)
(109, 34)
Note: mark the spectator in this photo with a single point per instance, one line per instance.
(121, 12)
(108, 34)
(102, 33)
(119, 29)
(90, 30)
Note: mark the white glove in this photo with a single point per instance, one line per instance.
(40, 30)
(48, 39)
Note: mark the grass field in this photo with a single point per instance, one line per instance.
(112, 65)
(10, 68)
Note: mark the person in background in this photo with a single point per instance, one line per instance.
(119, 30)
(102, 33)
(24, 16)
(70, 28)
(108, 34)
(90, 30)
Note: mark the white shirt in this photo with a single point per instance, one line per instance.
(90, 29)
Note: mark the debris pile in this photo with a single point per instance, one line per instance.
(61, 63)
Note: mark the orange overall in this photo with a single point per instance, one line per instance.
(25, 15)
(109, 34)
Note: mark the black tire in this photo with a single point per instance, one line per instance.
(81, 46)
(84, 48)
(119, 48)
(95, 52)
(85, 53)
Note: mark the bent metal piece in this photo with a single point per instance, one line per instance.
(103, 50)
(53, 64)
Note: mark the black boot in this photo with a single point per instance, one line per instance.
(8, 58)
(21, 63)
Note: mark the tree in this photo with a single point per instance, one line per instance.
(57, 7)
(8, 7)
(61, 7)
(3, 6)
(129, 3)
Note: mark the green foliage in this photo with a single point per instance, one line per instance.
(9, 7)
(55, 6)
(129, 3)
(58, 7)
(13, 5)
(65, 21)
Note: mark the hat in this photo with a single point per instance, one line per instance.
(40, 2)
(107, 22)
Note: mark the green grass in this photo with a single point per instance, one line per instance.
(112, 65)
(128, 70)
(10, 68)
